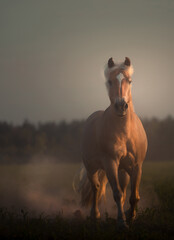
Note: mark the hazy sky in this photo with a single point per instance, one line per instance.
(52, 54)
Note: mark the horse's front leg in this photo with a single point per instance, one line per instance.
(135, 197)
(111, 168)
(95, 184)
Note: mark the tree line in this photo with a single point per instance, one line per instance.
(62, 141)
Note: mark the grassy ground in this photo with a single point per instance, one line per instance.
(37, 202)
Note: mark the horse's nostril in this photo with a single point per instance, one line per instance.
(126, 106)
(122, 106)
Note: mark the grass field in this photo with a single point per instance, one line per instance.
(37, 202)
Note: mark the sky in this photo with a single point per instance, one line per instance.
(52, 56)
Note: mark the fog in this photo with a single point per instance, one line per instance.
(46, 188)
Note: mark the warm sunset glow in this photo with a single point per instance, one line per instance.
(52, 54)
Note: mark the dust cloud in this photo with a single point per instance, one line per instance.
(46, 187)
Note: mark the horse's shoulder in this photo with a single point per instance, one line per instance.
(137, 122)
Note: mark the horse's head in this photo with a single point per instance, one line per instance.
(118, 83)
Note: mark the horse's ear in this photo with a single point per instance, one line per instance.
(127, 61)
(110, 63)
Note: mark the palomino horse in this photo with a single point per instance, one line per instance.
(114, 146)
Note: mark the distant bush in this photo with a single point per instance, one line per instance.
(62, 141)
(160, 134)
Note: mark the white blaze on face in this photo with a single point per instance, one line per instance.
(120, 77)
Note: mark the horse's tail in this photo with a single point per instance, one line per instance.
(85, 189)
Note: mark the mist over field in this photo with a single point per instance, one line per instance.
(38, 187)
(48, 188)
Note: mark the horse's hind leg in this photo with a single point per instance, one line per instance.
(124, 179)
(135, 182)
(95, 184)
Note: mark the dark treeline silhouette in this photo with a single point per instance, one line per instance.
(62, 141)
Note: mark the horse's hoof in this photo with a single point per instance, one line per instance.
(130, 217)
(95, 214)
(122, 225)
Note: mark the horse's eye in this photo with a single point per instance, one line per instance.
(110, 82)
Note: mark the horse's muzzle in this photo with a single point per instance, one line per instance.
(121, 107)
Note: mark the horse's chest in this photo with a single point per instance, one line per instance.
(120, 149)
(115, 146)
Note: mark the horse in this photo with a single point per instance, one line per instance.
(114, 146)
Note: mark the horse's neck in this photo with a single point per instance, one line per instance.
(121, 124)
(131, 107)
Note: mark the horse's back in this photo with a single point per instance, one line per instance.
(92, 122)
(91, 125)
(94, 116)
(90, 151)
